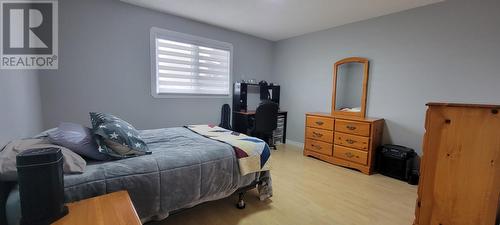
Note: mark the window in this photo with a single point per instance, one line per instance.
(184, 65)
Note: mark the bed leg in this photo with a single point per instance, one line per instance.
(241, 202)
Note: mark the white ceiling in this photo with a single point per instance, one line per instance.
(279, 19)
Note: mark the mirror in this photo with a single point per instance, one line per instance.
(349, 90)
(349, 87)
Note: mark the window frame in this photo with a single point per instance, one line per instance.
(156, 32)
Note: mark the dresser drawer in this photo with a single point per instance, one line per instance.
(319, 147)
(319, 134)
(319, 122)
(352, 141)
(350, 154)
(352, 127)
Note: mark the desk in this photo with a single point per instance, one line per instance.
(115, 208)
(241, 122)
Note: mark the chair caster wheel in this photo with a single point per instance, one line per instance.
(241, 205)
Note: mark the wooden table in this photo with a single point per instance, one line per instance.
(114, 208)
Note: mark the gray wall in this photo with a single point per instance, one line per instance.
(105, 66)
(20, 110)
(444, 52)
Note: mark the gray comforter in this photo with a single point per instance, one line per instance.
(184, 169)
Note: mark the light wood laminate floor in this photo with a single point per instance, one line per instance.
(309, 191)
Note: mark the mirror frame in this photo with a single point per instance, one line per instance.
(366, 66)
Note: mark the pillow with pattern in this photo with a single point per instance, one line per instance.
(115, 137)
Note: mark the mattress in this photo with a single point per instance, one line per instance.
(184, 170)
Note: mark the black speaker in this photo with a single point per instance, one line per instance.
(396, 161)
(41, 186)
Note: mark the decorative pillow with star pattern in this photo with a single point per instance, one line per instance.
(115, 137)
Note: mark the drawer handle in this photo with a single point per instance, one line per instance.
(319, 122)
(351, 127)
(316, 146)
(316, 134)
(350, 155)
(350, 141)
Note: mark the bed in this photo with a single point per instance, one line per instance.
(184, 170)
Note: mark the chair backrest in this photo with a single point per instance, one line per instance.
(266, 117)
(225, 117)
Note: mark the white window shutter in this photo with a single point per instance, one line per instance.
(191, 69)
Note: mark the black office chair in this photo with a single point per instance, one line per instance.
(265, 122)
(225, 117)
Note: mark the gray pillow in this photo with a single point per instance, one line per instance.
(44, 133)
(78, 139)
(72, 162)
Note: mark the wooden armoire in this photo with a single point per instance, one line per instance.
(460, 167)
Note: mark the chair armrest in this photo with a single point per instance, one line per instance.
(251, 125)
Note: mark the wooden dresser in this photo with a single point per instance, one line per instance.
(460, 168)
(343, 141)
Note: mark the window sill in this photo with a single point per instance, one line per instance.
(155, 95)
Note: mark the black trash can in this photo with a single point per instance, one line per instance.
(41, 186)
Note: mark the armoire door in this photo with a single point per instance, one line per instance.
(460, 167)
